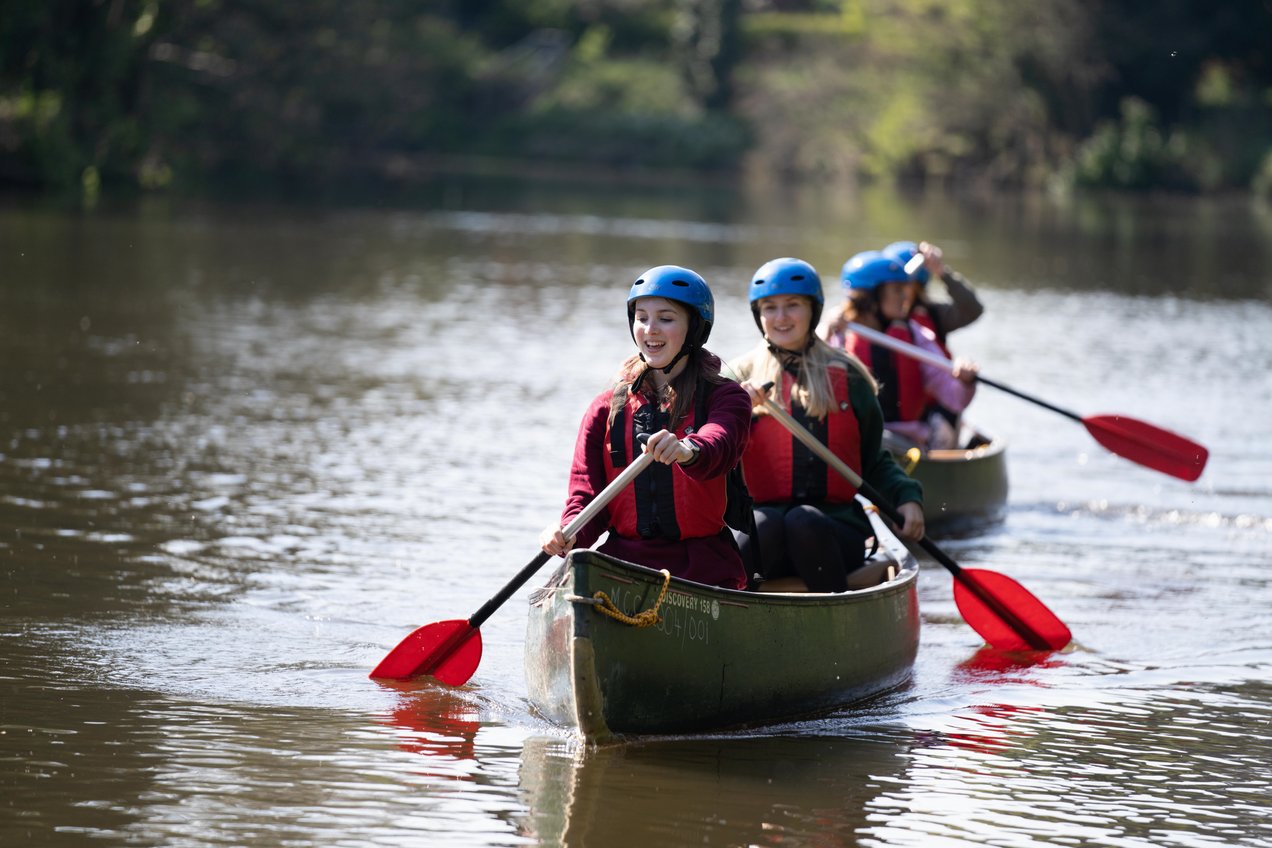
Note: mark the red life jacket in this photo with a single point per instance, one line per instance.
(781, 469)
(924, 318)
(901, 391)
(663, 501)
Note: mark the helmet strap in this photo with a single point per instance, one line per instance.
(788, 358)
(640, 378)
(684, 351)
(691, 341)
(884, 321)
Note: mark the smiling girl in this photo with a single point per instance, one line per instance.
(808, 524)
(671, 389)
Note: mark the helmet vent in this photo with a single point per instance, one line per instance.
(797, 277)
(680, 283)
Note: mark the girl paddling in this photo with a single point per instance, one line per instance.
(917, 398)
(939, 316)
(697, 421)
(808, 524)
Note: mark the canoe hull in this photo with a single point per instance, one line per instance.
(719, 658)
(963, 486)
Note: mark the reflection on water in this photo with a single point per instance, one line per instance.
(775, 790)
(1087, 776)
(245, 451)
(435, 721)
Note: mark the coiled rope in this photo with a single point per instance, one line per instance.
(645, 618)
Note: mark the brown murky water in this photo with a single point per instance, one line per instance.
(244, 450)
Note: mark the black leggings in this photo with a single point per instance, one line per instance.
(802, 541)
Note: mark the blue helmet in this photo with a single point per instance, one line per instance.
(903, 252)
(870, 269)
(682, 285)
(786, 276)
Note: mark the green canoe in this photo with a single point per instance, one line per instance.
(963, 486)
(718, 658)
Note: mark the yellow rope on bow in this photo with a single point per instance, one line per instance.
(646, 618)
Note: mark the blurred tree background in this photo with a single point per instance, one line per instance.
(190, 94)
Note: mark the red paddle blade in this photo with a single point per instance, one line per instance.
(447, 650)
(1150, 446)
(1006, 614)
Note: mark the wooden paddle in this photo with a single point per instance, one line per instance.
(1004, 613)
(1138, 441)
(451, 650)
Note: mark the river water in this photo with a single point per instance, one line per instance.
(245, 449)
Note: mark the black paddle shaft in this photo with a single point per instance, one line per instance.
(1014, 621)
(598, 502)
(914, 352)
(1025, 396)
(488, 608)
(1001, 610)
(894, 515)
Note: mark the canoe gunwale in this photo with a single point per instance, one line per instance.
(995, 446)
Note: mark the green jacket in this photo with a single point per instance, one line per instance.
(878, 467)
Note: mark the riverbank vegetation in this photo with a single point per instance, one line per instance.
(190, 94)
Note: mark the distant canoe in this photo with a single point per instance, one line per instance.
(961, 486)
(719, 658)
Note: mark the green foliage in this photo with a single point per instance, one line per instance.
(706, 43)
(622, 112)
(633, 139)
(68, 80)
(1133, 152)
(1215, 87)
(804, 24)
(1262, 182)
(594, 82)
(1220, 147)
(921, 89)
(266, 88)
(176, 93)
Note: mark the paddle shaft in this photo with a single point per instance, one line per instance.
(589, 512)
(824, 453)
(1140, 442)
(876, 337)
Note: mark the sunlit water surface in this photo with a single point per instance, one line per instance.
(246, 450)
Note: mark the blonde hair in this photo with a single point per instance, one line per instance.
(813, 389)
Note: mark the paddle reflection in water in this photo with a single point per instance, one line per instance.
(991, 665)
(434, 721)
(991, 729)
(713, 791)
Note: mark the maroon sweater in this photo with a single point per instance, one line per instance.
(713, 559)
